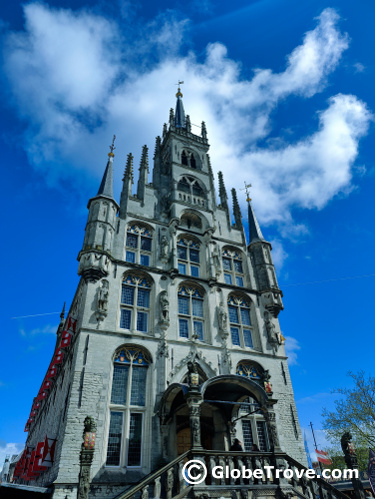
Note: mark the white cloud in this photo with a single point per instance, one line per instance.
(279, 255)
(321, 441)
(76, 80)
(9, 449)
(291, 348)
(48, 329)
(359, 67)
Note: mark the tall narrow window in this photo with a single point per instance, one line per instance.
(135, 303)
(233, 267)
(138, 245)
(190, 313)
(254, 428)
(188, 257)
(239, 318)
(127, 409)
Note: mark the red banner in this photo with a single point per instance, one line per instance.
(66, 339)
(323, 457)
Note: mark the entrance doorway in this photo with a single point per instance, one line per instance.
(183, 441)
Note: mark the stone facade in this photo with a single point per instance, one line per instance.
(192, 247)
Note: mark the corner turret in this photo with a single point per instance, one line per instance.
(260, 252)
(94, 258)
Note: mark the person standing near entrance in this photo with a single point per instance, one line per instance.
(236, 446)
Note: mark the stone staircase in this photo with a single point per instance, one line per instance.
(168, 482)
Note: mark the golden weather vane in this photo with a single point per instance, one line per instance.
(112, 146)
(179, 94)
(247, 190)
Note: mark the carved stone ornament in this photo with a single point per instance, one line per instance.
(272, 302)
(86, 457)
(93, 265)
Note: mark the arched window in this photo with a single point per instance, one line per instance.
(190, 312)
(191, 220)
(233, 268)
(188, 159)
(135, 303)
(239, 319)
(138, 245)
(191, 191)
(127, 407)
(254, 428)
(184, 159)
(188, 256)
(193, 163)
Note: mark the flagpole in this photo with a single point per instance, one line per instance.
(316, 447)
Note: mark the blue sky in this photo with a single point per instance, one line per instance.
(286, 90)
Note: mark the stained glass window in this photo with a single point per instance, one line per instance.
(188, 257)
(128, 406)
(233, 268)
(135, 303)
(240, 322)
(191, 313)
(139, 242)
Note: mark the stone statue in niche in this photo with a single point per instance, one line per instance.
(102, 301)
(164, 248)
(222, 318)
(164, 307)
(270, 328)
(216, 259)
(103, 293)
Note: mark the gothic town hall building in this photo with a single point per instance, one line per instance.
(172, 346)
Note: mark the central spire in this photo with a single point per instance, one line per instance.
(179, 118)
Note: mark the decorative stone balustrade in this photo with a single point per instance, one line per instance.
(169, 483)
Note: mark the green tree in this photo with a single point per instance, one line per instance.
(354, 412)
(337, 457)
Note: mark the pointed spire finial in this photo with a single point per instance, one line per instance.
(204, 131)
(144, 158)
(62, 315)
(112, 147)
(129, 167)
(157, 146)
(222, 191)
(171, 116)
(254, 229)
(236, 210)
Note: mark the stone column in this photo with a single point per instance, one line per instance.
(194, 401)
(270, 418)
(86, 457)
